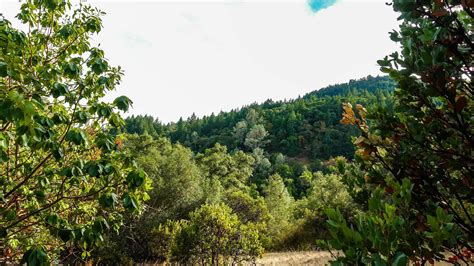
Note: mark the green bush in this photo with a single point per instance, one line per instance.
(415, 163)
(214, 235)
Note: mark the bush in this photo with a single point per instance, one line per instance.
(214, 235)
(416, 164)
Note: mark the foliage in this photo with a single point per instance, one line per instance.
(65, 178)
(178, 190)
(214, 235)
(256, 137)
(305, 127)
(326, 191)
(247, 208)
(231, 170)
(162, 242)
(304, 131)
(184, 182)
(416, 164)
(178, 180)
(279, 204)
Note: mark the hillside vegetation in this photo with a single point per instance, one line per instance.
(306, 127)
(380, 169)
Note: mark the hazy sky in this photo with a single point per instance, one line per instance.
(182, 57)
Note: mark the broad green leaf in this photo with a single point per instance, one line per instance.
(400, 259)
(3, 69)
(123, 103)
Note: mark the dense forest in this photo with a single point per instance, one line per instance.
(279, 193)
(287, 137)
(380, 169)
(307, 127)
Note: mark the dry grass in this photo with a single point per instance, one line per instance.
(295, 258)
(303, 258)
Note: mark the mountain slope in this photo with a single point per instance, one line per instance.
(306, 128)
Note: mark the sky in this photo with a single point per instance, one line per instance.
(185, 57)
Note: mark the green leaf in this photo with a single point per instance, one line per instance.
(123, 103)
(116, 121)
(129, 202)
(400, 259)
(378, 260)
(108, 200)
(333, 224)
(4, 156)
(3, 141)
(29, 108)
(52, 219)
(35, 256)
(94, 170)
(65, 31)
(58, 151)
(24, 140)
(3, 232)
(40, 195)
(3, 69)
(103, 80)
(10, 215)
(99, 66)
(71, 69)
(59, 89)
(136, 178)
(77, 137)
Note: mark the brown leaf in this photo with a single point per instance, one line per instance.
(440, 12)
(367, 151)
(366, 178)
(348, 109)
(389, 190)
(461, 102)
(467, 3)
(362, 111)
(359, 140)
(345, 121)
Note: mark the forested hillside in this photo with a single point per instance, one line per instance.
(307, 127)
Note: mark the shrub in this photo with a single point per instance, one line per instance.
(214, 235)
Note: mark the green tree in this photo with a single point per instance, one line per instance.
(416, 164)
(239, 132)
(262, 167)
(214, 235)
(279, 203)
(303, 128)
(231, 170)
(255, 138)
(248, 209)
(65, 178)
(328, 191)
(179, 189)
(178, 180)
(304, 182)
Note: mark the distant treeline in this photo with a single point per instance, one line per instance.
(306, 128)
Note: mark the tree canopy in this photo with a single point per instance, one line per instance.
(65, 178)
(415, 164)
